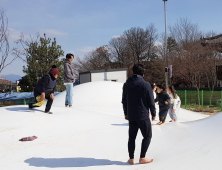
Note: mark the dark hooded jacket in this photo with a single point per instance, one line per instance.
(137, 99)
(161, 99)
(46, 84)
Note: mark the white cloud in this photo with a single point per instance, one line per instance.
(158, 44)
(14, 34)
(54, 32)
(116, 36)
(81, 52)
(86, 49)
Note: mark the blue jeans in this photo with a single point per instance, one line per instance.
(69, 93)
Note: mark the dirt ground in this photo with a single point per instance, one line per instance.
(208, 113)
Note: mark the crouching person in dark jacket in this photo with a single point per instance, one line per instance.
(45, 90)
(137, 100)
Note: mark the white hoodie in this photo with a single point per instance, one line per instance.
(174, 101)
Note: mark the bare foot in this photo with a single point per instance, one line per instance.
(171, 121)
(145, 160)
(70, 106)
(159, 123)
(66, 105)
(131, 161)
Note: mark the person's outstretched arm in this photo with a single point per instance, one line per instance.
(52, 93)
(167, 99)
(45, 80)
(124, 101)
(150, 100)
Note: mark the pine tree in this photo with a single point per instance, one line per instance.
(171, 44)
(40, 56)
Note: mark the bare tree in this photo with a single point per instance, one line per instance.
(39, 53)
(212, 59)
(187, 58)
(96, 59)
(141, 42)
(27, 48)
(185, 32)
(4, 44)
(197, 64)
(120, 51)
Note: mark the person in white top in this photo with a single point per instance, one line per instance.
(154, 87)
(174, 104)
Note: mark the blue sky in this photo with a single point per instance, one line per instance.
(82, 25)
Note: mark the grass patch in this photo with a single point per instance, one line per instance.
(8, 103)
(205, 109)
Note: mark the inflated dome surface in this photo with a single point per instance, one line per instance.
(94, 134)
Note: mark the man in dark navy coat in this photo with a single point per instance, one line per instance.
(137, 100)
(45, 90)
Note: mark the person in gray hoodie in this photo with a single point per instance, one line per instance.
(69, 79)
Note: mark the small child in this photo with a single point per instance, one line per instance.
(163, 100)
(174, 103)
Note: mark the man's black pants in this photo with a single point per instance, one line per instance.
(146, 130)
(49, 102)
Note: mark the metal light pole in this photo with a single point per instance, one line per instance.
(165, 51)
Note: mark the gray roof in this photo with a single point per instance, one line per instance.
(106, 70)
(214, 42)
(5, 82)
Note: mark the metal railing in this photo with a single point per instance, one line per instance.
(205, 99)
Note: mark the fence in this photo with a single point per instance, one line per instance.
(194, 99)
(189, 99)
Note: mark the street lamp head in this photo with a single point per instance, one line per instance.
(164, 0)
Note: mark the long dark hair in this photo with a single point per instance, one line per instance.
(172, 89)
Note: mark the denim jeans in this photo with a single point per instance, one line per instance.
(69, 94)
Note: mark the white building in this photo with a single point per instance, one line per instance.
(116, 75)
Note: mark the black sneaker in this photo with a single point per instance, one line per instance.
(30, 106)
(48, 112)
